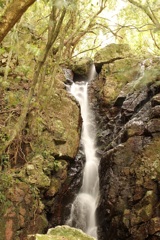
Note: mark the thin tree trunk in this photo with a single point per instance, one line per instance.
(51, 39)
(12, 14)
(147, 11)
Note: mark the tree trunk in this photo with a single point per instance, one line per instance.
(147, 11)
(12, 14)
(52, 36)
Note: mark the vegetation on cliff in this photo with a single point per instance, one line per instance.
(60, 33)
(39, 120)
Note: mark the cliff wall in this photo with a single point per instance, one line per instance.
(35, 166)
(126, 100)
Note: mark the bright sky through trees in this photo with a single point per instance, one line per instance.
(96, 23)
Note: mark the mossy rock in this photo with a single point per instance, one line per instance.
(82, 66)
(56, 130)
(150, 76)
(111, 53)
(117, 75)
(35, 173)
(62, 233)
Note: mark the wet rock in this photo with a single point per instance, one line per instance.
(155, 100)
(134, 102)
(154, 225)
(154, 126)
(68, 76)
(155, 112)
(60, 210)
(127, 116)
(135, 127)
(144, 210)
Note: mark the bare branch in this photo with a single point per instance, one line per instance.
(90, 49)
(154, 40)
(20, 123)
(139, 29)
(147, 11)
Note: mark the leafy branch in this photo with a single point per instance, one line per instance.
(147, 10)
(52, 35)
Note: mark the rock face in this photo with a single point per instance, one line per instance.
(126, 100)
(36, 166)
(81, 68)
(110, 53)
(62, 233)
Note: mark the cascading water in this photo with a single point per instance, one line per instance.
(84, 206)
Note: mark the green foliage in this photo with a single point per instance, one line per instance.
(46, 154)
(56, 165)
(3, 137)
(5, 161)
(6, 182)
(2, 3)
(86, 26)
(119, 21)
(32, 49)
(139, 26)
(2, 50)
(24, 69)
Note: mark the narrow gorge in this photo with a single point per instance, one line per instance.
(83, 210)
(112, 173)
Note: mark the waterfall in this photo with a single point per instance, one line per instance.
(84, 206)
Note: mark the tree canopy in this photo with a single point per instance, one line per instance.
(87, 25)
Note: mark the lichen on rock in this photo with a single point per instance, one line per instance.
(111, 53)
(62, 232)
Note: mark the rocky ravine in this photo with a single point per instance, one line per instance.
(35, 167)
(40, 174)
(126, 100)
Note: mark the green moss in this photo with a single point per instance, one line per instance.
(59, 131)
(59, 165)
(54, 187)
(82, 66)
(6, 181)
(112, 51)
(63, 233)
(71, 233)
(150, 76)
(117, 75)
(35, 173)
(55, 130)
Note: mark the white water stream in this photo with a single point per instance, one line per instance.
(84, 206)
